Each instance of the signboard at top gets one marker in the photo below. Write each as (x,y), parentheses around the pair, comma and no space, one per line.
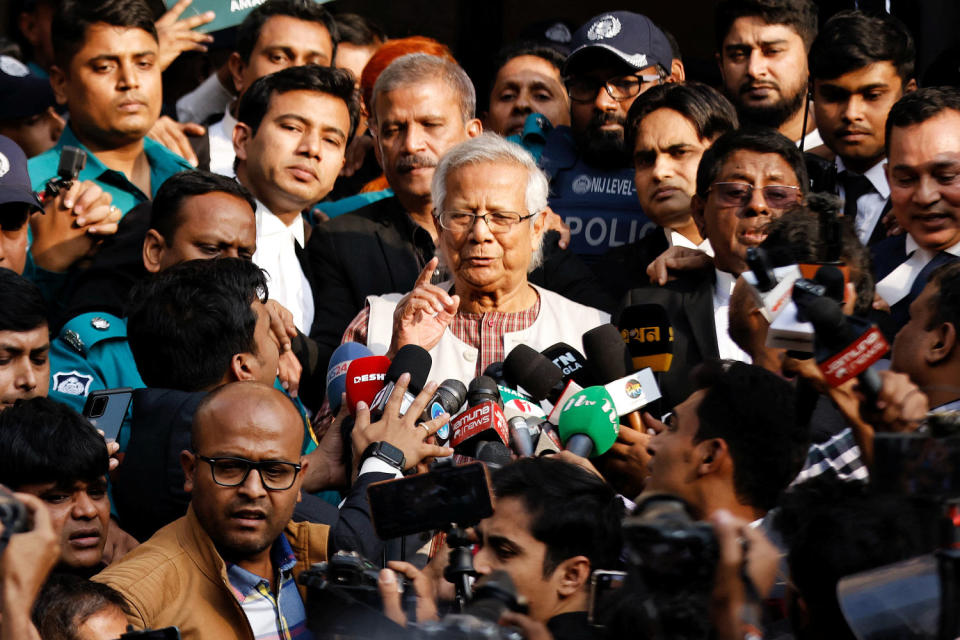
(229,13)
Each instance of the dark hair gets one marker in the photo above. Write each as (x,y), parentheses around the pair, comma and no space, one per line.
(674,44)
(750,138)
(710,112)
(852,40)
(946,303)
(75,17)
(187,322)
(44,441)
(67,601)
(754,412)
(834,529)
(799,15)
(572,511)
(797,236)
(249,30)
(515,50)
(358,30)
(165,210)
(22,307)
(255,101)
(919,106)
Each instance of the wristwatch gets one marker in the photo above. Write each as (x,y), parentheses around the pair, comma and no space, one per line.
(386,452)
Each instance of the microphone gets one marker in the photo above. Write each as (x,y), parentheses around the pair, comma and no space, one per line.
(483,389)
(589,423)
(365,378)
(337,370)
(533,372)
(495,370)
(775,286)
(449,397)
(494,454)
(790,330)
(646,330)
(479,423)
(523,420)
(412,359)
(847,346)
(613,366)
(572,364)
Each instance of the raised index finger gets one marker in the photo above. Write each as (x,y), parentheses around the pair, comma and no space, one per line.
(427,273)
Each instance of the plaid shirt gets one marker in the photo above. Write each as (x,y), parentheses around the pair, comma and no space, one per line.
(272,617)
(839,454)
(482,331)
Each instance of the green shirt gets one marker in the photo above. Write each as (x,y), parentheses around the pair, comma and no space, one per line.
(163,164)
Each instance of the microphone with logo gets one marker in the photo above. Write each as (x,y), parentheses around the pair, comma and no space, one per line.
(448,398)
(482,420)
(611,363)
(572,364)
(525,369)
(646,330)
(365,378)
(337,370)
(412,359)
(589,423)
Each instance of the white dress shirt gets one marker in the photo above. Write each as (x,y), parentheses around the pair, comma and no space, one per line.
(207,100)
(870,205)
(675,239)
(221,145)
(811,141)
(727,348)
(896,286)
(276,255)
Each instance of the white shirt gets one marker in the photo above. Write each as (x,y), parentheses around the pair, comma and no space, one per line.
(675,239)
(221,145)
(275,254)
(870,205)
(811,141)
(896,286)
(206,100)
(727,348)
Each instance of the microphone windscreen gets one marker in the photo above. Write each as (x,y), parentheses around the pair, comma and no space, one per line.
(337,370)
(572,364)
(832,279)
(495,370)
(590,412)
(607,353)
(483,389)
(524,367)
(649,337)
(416,361)
(494,454)
(365,377)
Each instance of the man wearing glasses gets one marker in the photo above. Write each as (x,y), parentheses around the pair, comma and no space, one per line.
(228,568)
(748,177)
(614,58)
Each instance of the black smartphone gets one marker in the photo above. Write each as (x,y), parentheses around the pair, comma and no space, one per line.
(106,409)
(432,500)
(602,582)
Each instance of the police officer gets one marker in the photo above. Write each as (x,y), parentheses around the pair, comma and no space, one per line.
(615,56)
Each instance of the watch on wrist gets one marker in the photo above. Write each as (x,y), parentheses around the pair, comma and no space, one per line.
(386,452)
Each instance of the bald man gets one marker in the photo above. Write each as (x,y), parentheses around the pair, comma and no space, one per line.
(228,568)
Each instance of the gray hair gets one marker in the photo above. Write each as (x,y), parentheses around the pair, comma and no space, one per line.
(492,148)
(415,68)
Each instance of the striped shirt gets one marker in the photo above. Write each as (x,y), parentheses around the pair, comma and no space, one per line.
(279,616)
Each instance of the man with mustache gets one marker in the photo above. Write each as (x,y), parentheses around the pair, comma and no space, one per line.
(749,177)
(614,57)
(860,66)
(762,52)
(107,71)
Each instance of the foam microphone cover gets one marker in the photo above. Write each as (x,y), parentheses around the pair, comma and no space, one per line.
(365,378)
(525,367)
(832,279)
(483,389)
(494,454)
(607,354)
(573,364)
(495,370)
(649,337)
(416,361)
(337,370)
(590,413)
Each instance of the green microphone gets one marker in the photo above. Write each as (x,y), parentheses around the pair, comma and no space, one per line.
(588,422)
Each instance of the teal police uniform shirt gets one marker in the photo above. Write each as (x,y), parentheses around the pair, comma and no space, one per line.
(163,164)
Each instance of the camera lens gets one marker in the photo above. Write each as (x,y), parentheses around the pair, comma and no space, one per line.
(99,406)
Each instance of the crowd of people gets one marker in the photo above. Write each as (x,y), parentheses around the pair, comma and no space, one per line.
(696,347)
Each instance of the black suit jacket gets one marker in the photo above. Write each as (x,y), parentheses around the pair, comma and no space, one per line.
(688,302)
(624,268)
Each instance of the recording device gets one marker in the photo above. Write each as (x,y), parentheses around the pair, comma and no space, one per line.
(612,366)
(492,595)
(480,423)
(572,364)
(412,359)
(167,633)
(14,516)
(493,454)
(433,500)
(483,389)
(589,423)
(495,370)
(790,329)
(337,370)
(533,372)
(646,330)
(448,398)
(106,408)
(72,161)
(775,285)
(364,380)
(523,421)
(602,584)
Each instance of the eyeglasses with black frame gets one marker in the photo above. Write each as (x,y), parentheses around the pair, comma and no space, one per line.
(584,88)
(497,221)
(738,194)
(275,475)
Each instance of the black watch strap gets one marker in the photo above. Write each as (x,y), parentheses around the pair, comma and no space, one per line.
(386,452)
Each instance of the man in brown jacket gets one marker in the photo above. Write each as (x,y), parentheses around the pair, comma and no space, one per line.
(228,568)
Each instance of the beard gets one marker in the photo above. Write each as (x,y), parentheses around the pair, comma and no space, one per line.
(602,148)
(770,115)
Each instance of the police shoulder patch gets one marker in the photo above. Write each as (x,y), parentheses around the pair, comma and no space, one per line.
(72,383)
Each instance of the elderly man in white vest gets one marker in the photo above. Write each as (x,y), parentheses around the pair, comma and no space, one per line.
(489,196)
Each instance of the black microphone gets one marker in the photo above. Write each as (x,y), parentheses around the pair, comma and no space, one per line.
(533,372)
(411,359)
(493,453)
(646,330)
(610,360)
(482,389)
(495,370)
(449,397)
(572,364)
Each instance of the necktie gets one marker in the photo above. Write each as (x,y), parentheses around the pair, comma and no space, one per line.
(854,187)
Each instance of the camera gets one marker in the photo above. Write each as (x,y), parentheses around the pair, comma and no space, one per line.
(492,595)
(13,516)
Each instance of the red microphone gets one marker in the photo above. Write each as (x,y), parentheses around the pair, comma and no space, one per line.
(477,424)
(365,377)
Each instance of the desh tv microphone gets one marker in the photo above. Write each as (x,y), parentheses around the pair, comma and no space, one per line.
(364,379)
(337,370)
